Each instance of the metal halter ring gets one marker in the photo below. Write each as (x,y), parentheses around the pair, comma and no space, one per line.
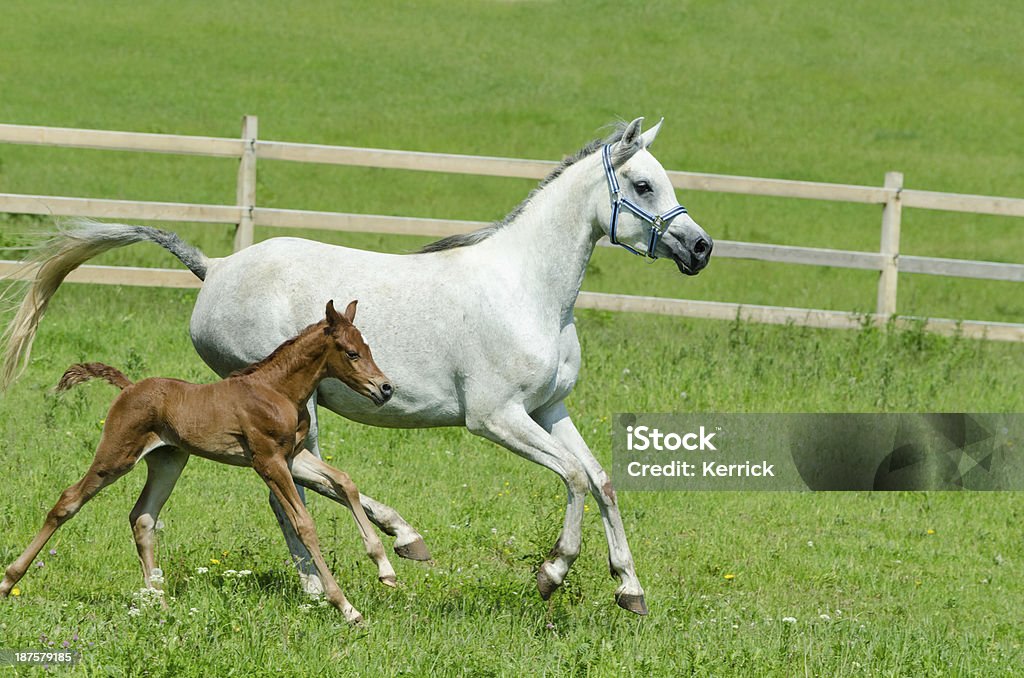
(659,222)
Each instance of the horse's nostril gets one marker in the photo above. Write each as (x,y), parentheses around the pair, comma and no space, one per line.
(386,390)
(701,246)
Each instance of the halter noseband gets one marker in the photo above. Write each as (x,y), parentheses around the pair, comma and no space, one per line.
(659,222)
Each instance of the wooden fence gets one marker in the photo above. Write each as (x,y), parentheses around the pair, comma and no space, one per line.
(245,215)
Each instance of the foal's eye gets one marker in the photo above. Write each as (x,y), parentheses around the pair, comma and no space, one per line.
(353,355)
(642,187)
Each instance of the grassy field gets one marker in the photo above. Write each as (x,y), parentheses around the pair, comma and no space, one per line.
(878,584)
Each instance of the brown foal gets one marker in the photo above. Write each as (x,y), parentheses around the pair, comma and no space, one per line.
(255,417)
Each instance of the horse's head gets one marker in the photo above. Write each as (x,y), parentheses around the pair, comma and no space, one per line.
(349,359)
(643,215)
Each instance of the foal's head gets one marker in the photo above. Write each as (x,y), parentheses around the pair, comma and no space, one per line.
(349,359)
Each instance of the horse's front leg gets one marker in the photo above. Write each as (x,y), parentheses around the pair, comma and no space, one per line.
(630,595)
(513,428)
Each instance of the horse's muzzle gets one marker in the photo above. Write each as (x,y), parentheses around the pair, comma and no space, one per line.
(691,252)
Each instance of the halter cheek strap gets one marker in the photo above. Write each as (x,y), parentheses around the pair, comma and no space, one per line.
(659,222)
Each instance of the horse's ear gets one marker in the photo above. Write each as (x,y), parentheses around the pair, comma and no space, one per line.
(332,315)
(350,310)
(630,143)
(648,136)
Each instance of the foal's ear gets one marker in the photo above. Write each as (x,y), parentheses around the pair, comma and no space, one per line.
(631,142)
(332,315)
(350,310)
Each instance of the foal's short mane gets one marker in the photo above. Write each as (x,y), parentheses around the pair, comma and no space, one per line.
(277,351)
(472,238)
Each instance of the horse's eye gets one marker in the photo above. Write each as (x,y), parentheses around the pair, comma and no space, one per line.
(353,355)
(642,187)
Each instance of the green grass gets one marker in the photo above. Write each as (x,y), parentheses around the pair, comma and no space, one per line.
(826,92)
(898,599)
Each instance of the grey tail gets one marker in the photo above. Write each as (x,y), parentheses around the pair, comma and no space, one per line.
(69,246)
(188,254)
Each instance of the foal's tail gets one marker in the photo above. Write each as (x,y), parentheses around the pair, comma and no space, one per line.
(70,245)
(83,372)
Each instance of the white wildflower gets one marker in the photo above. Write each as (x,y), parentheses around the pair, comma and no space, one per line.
(202,570)
(789,620)
(156,576)
(148,597)
(825,617)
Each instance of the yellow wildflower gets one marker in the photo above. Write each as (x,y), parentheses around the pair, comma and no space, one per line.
(15,591)
(730,577)
(214,561)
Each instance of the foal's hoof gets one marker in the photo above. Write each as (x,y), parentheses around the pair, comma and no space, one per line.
(546,584)
(632,602)
(414,550)
(389,580)
(352,615)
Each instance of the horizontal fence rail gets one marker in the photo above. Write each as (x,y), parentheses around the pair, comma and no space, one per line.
(245,214)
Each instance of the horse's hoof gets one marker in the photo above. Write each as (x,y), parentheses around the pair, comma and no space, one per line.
(389,580)
(311,584)
(414,550)
(545,583)
(632,602)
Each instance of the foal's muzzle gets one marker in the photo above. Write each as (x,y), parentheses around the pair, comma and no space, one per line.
(380,393)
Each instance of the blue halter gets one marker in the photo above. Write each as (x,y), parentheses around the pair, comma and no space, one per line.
(659,222)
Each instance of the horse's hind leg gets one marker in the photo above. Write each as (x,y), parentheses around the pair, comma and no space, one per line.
(309,471)
(164,467)
(98,476)
(274,470)
(408,542)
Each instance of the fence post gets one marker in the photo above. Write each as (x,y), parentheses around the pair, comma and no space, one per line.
(890,248)
(246,194)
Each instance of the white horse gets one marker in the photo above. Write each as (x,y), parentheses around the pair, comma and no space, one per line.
(509,289)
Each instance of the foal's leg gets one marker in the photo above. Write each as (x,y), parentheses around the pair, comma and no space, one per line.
(99,475)
(514,429)
(316,475)
(408,542)
(164,467)
(629,595)
(274,470)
